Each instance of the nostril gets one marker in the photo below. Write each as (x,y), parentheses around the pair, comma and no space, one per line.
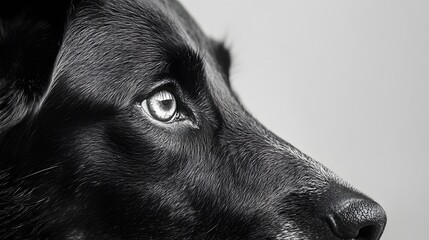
(361,219)
(367,232)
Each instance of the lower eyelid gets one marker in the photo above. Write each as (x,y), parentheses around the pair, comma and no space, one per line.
(185,121)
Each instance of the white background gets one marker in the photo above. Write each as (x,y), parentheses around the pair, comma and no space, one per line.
(347,82)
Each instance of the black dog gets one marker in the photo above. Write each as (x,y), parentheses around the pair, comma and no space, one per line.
(117,121)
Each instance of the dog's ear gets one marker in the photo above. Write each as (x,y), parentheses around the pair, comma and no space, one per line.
(30,37)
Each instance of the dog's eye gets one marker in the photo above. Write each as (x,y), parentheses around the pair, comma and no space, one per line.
(161,106)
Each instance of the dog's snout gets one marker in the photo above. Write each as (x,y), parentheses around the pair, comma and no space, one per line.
(352,215)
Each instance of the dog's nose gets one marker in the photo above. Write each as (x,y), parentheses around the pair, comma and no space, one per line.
(352,215)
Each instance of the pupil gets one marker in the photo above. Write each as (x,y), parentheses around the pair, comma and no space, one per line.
(166,104)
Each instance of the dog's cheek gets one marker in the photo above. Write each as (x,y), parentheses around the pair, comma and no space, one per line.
(124,182)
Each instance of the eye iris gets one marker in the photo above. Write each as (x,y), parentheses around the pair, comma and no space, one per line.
(162,106)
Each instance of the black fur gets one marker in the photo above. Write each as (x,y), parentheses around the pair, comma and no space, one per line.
(80,160)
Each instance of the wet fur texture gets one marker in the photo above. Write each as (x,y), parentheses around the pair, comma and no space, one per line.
(80,160)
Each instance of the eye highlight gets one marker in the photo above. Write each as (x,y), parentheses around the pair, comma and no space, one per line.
(162,106)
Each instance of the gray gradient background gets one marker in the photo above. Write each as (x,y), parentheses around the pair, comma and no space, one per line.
(347,82)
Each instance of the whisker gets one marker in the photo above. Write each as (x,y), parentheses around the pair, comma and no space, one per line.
(38,172)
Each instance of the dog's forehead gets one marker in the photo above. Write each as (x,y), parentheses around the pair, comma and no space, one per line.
(167,18)
(113,46)
(178,14)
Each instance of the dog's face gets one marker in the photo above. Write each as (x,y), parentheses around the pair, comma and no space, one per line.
(134,132)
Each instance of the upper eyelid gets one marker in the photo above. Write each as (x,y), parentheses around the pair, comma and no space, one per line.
(182,100)
(172,86)
(164,84)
